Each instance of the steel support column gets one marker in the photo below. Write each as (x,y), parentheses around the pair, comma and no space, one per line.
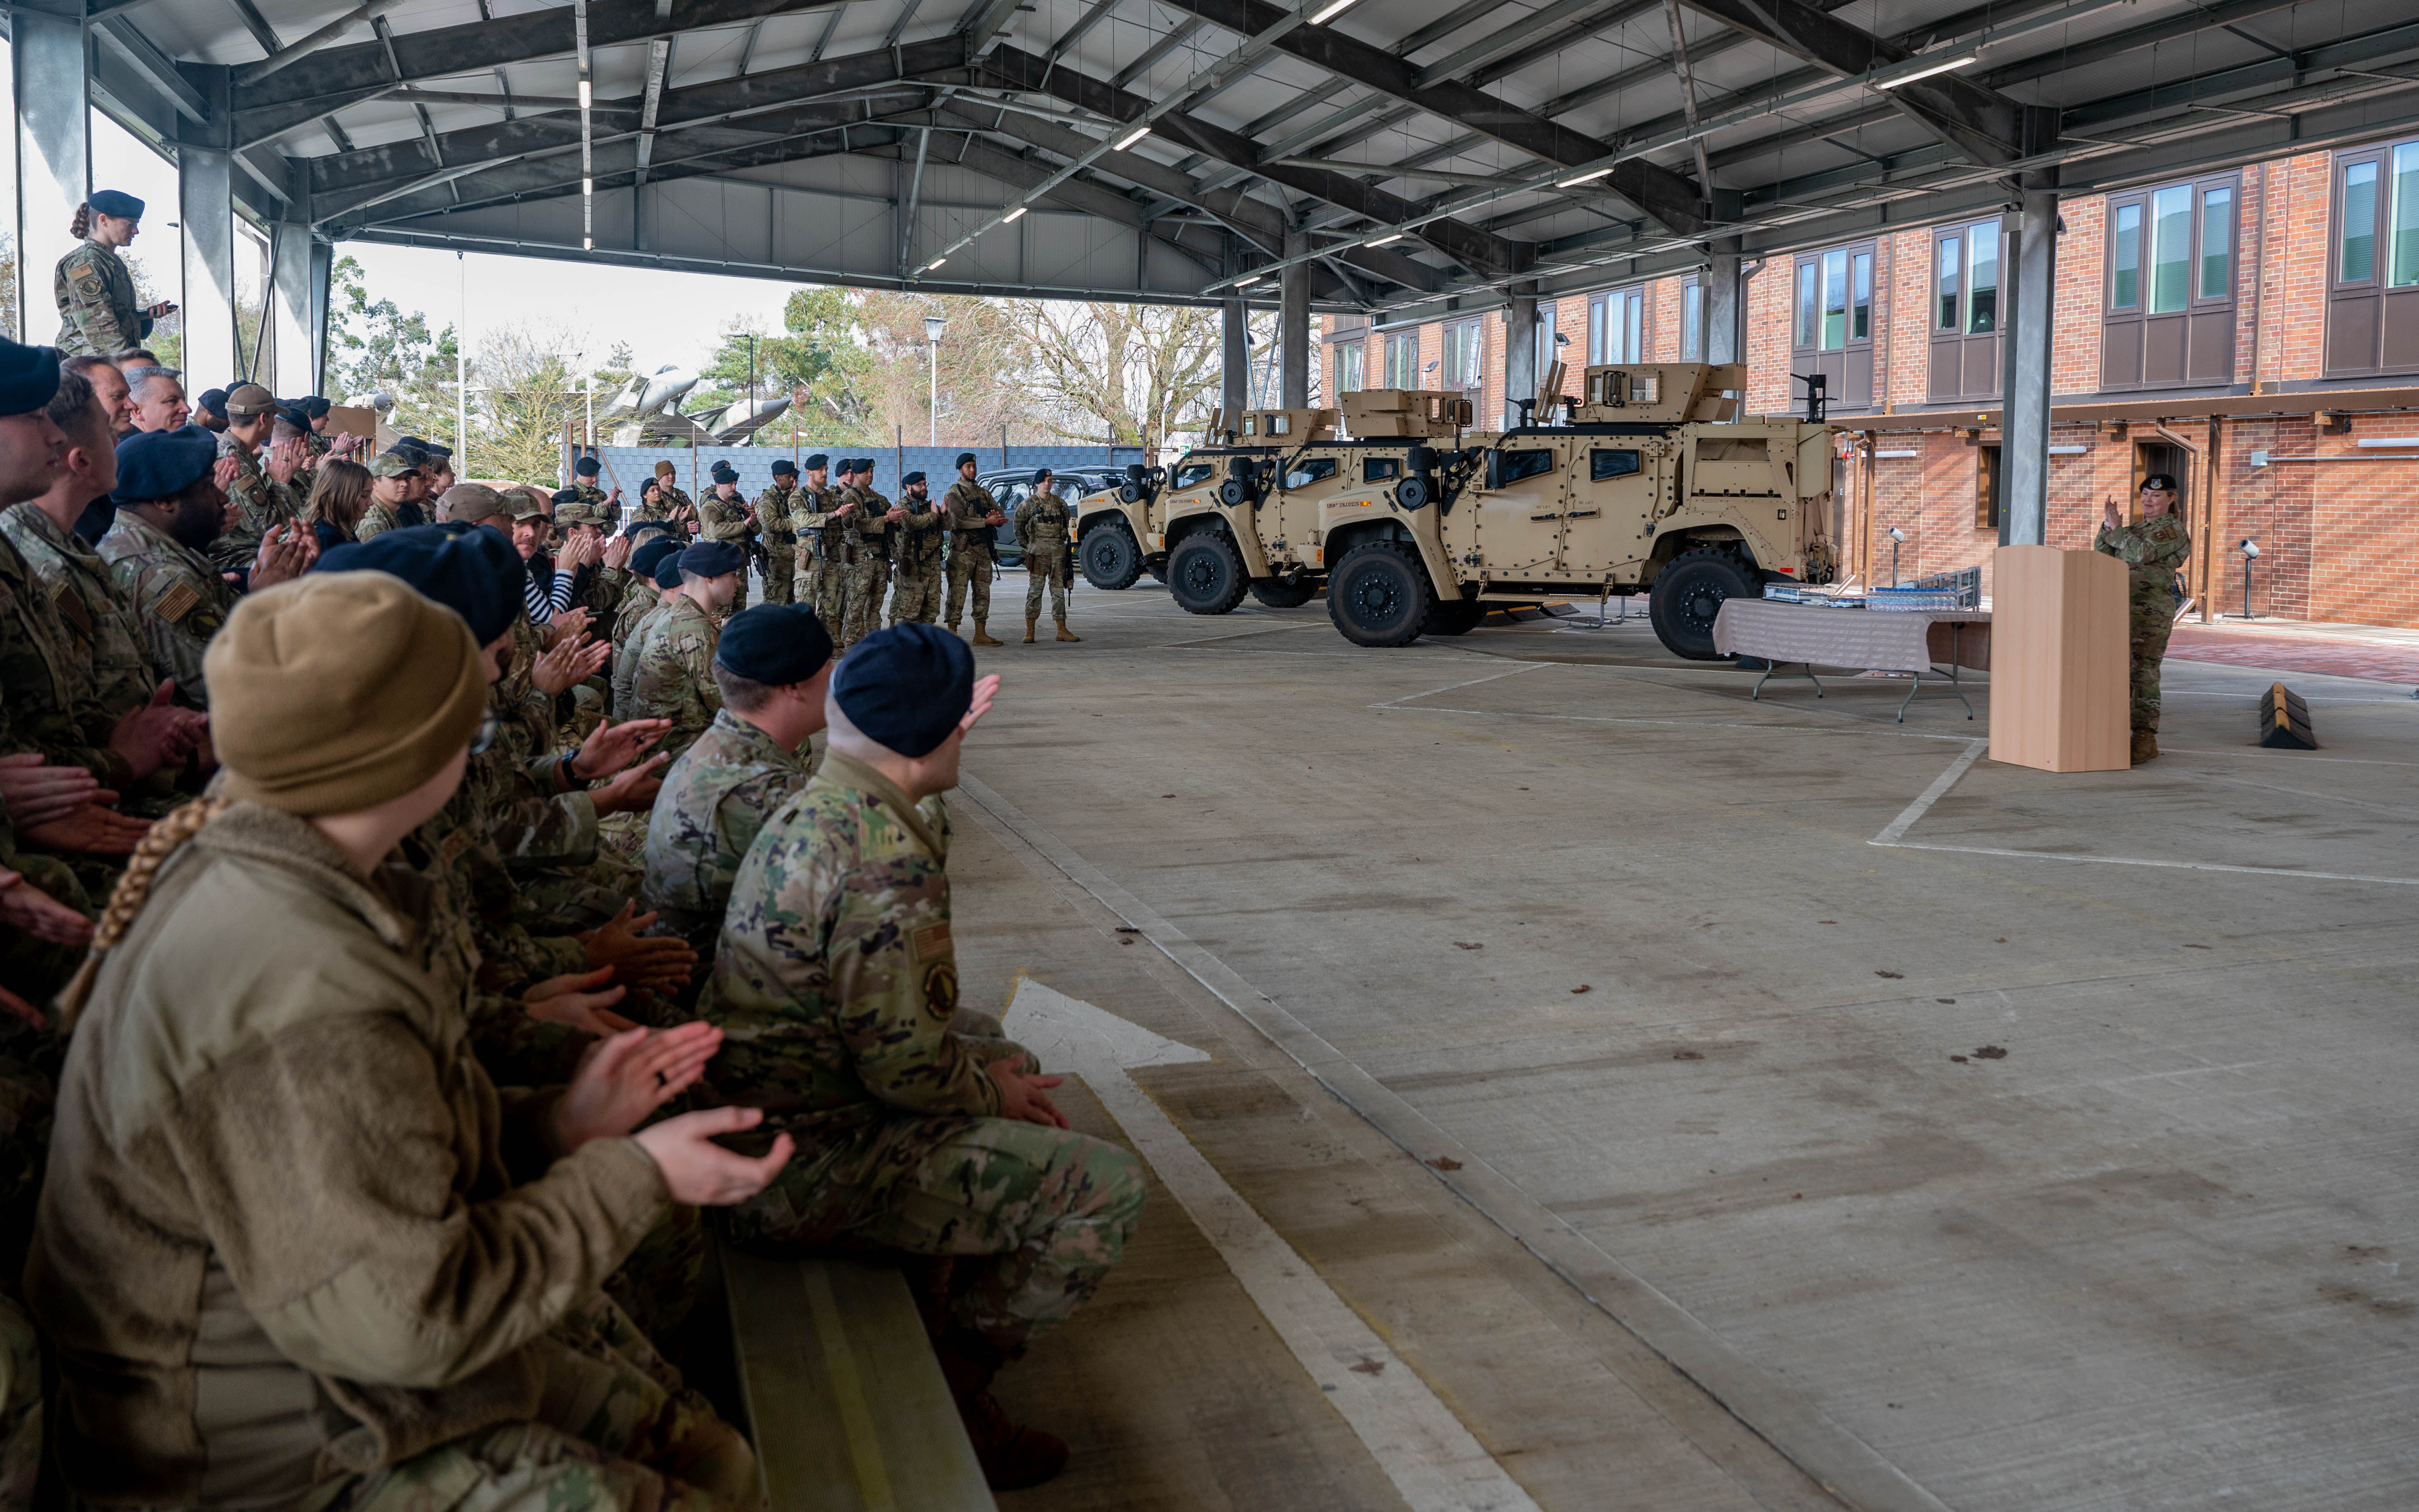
(2032,304)
(1725,304)
(1519,351)
(293,335)
(322,275)
(1234,365)
(1293,325)
(206,209)
(53,151)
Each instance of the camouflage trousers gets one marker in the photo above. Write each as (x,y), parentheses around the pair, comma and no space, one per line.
(2151,624)
(916,597)
(615,1431)
(658,1286)
(831,593)
(863,586)
(1048,1209)
(1043,560)
(20,1407)
(969,564)
(780,576)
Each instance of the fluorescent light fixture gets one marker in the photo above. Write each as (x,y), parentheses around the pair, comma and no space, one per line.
(1134,136)
(934,263)
(588,186)
(1897,453)
(588,243)
(1955,60)
(583,94)
(1380,241)
(1583,178)
(1329,11)
(1247,283)
(2387,441)
(1014,214)
(2068,451)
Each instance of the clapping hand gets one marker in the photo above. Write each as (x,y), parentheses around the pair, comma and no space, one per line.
(656,962)
(578,999)
(285,553)
(36,794)
(621,1080)
(29,908)
(610,747)
(986,688)
(571,660)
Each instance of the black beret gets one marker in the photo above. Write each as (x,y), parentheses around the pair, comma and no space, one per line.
(964,457)
(640,526)
(906,687)
(115,202)
(2161,481)
(650,482)
(775,644)
(316,406)
(645,560)
(29,376)
(667,568)
(564,496)
(475,573)
(818,460)
(161,464)
(784,467)
(587,466)
(911,477)
(712,559)
(723,473)
(213,400)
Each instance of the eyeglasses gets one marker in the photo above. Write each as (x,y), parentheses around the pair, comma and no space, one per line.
(490,728)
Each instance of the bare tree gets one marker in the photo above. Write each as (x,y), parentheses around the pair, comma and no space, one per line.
(1128,375)
(526,379)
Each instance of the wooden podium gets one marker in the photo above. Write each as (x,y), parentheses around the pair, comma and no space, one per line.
(2059,694)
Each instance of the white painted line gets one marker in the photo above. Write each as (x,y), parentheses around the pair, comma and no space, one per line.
(1939,789)
(2136,860)
(1853,727)
(1524,666)
(1849,1467)
(1431,1456)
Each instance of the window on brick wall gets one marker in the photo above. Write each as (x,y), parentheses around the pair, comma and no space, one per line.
(1966,264)
(1692,319)
(2168,319)
(2373,274)
(1402,359)
(1833,331)
(1465,358)
(1617,327)
(1347,366)
(1986,489)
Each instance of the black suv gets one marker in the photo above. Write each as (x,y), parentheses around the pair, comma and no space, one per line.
(1011,486)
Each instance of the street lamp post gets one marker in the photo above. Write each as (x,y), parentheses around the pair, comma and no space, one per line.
(933,324)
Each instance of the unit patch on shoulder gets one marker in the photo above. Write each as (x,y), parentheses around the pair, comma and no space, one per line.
(176,602)
(941,991)
(69,606)
(930,941)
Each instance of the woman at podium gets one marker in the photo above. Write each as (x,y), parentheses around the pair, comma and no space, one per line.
(2154,549)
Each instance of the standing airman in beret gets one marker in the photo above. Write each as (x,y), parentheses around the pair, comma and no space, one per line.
(780,533)
(98,315)
(917,597)
(872,538)
(971,514)
(817,509)
(584,473)
(724,514)
(670,503)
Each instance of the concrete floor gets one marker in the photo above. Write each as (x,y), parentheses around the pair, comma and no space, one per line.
(1695,1149)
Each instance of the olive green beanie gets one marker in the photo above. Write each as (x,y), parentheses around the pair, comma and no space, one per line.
(338,691)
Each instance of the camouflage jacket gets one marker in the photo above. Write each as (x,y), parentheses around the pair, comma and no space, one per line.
(601,591)
(2153,550)
(601,502)
(715,799)
(97,311)
(835,980)
(919,538)
(816,522)
(670,503)
(633,624)
(262,503)
(96,613)
(725,520)
(964,508)
(772,515)
(180,599)
(378,518)
(51,706)
(1043,519)
(674,676)
(867,536)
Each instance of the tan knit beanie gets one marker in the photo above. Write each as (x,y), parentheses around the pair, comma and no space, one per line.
(340,690)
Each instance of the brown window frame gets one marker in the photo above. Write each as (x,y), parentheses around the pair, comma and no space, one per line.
(1971,351)
(1849,366)
(1988,485)
(2191,345)
(2372,324)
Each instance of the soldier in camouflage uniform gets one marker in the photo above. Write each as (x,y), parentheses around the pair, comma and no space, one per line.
(725,516)
(669,504)
(838,985)
(780,533)
(970,514)
(814,508)
(607,506)
(262,492)
(397,488)
(673,674)
(98,315)
(30,1053)
(658,564)
(773,668)
(2153,548)
(869,540)
(916,597)
(1043,525)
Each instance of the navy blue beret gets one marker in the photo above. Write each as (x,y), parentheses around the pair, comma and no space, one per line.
(645,560)
(964,457)
(587,466)
(723,473)
(906,687)
(115,202)
(315,406)
(818,460)
(911,477)
(784,467)
(213,400)
(161,464)
(667,568)
(775,644)
(29,376)
(564,496)
(475,573)
(640,526)
(712,559)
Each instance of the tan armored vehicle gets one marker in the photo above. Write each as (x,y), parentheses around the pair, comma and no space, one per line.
(1652,482)
(1120,531)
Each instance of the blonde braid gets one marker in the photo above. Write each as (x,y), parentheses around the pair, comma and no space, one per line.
(133,890)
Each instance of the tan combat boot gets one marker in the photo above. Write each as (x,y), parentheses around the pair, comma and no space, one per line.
(984,637)
(2146,746)
(1065,634)
(1029,623)
(953,627)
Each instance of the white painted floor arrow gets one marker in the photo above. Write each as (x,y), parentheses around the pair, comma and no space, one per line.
(1431,1456)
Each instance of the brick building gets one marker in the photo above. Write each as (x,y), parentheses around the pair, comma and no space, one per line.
(2256,332)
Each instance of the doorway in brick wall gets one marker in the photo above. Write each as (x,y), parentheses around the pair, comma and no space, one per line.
(2161,456)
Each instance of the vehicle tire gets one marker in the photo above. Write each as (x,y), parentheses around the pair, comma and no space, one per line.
(1278,593)
(1689,594)
(1205,576)
(1379,594)
(1453,616)
(1109,557)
